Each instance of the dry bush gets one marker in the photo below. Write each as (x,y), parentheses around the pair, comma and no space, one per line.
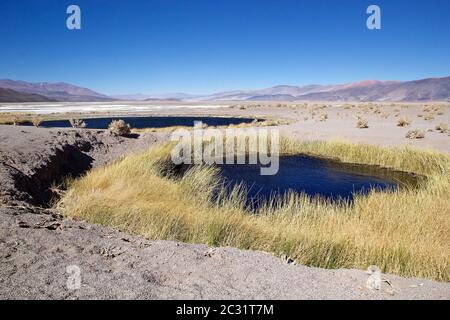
(77,123)
(119,128)
(403,122)
(323,117)
(442,127)
(362,123)
(36,121)
(377,110)
(415,134)
(429,117)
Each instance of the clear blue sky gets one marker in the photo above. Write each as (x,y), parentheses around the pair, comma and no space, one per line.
(202,46)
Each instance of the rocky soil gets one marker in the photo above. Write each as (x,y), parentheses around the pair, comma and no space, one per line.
(40,249)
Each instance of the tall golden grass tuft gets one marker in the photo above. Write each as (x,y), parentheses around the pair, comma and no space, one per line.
(405,231)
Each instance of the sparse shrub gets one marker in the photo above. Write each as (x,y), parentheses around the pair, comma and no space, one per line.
(119,128)
(429,117)
(403,122)
(362,123)
(377,110)
(77,123)
(36,121)
(415,134)
(442,127)
(323,117)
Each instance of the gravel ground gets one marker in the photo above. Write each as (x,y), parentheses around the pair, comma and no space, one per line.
(37,244)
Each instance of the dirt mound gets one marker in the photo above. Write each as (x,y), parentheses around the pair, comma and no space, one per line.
(32,160)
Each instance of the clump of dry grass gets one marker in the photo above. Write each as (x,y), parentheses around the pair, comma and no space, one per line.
(362,123)
(415,134)
(403,122)
(405,231)
(427,108)
(429,117)
(14,118)
(266,123)
(77,123)
(119,128)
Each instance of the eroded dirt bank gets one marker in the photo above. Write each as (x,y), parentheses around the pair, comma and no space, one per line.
(37,244)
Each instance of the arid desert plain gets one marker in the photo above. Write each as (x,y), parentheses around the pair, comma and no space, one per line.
(43,232)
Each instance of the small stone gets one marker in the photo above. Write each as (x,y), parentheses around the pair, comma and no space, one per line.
(209,253)
(23,224)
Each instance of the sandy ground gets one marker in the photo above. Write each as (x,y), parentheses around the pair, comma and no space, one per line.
(341,122)
(37,244)
(305,121)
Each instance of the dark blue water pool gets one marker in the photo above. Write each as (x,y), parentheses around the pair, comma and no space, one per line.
(315,177)
(148,122)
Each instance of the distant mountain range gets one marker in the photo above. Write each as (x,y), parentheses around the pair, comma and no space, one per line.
(46,91)
(9,95)
(432,89)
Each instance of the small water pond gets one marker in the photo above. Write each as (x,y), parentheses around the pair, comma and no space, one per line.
(149,122)
(314,176)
